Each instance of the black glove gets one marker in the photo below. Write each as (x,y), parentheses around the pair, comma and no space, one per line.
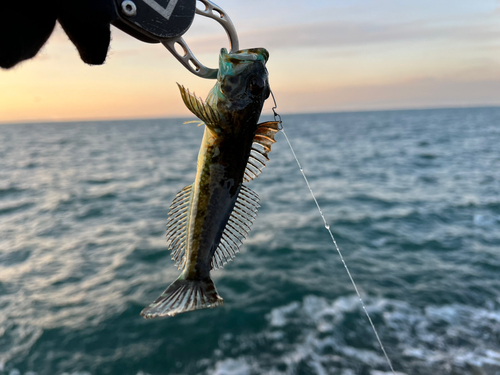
(26,25)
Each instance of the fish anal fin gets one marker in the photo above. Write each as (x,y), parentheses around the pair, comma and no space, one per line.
(177,225)
(182,296)
(237,227)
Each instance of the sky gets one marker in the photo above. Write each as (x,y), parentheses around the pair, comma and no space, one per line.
(325,56)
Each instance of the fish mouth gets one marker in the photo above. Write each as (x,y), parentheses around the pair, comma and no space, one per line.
(244,55)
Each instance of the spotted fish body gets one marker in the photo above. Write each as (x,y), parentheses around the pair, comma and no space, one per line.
(209,219)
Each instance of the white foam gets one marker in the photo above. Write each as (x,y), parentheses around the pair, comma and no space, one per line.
(493,354)
(380,242)
(231,366)
(278,316)
(486,220)
(333,337)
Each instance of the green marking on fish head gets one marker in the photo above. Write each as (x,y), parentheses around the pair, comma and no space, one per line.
(243,73)
(242,83)
(232,64)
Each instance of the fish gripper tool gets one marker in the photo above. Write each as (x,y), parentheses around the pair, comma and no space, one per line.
(165,21)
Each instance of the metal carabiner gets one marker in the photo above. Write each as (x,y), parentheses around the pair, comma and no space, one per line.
(188,59)
(151,22)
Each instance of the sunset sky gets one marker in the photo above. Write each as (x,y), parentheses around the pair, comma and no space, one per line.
(325,55)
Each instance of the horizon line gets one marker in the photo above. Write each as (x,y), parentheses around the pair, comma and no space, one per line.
(114,119)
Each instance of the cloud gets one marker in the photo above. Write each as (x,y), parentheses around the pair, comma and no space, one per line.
(347,34)
(417,93)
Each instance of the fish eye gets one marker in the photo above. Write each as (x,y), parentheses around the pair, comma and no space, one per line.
(256,84)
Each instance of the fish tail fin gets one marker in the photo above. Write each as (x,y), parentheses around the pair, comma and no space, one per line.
(182,296)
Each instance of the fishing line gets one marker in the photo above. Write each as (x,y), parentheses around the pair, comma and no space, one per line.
(327,226)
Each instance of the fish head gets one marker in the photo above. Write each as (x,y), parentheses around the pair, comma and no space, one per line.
(242,84)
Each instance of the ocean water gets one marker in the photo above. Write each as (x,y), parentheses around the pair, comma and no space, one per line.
(412,197)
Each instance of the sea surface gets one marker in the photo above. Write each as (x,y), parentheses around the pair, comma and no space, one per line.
(412,198)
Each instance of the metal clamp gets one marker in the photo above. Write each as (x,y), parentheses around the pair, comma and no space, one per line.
(151,22)
(187,58)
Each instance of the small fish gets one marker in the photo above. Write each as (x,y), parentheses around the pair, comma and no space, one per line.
(209,219)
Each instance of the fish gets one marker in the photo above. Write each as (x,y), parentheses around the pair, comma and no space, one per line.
(209,219)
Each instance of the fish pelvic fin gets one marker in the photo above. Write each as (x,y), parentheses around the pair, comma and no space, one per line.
(177,225)
(237,227)
(261,147)
(182,296)
(200,109)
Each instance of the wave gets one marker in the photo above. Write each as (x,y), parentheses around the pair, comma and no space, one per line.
(334,337)
(20,206)
(9,191)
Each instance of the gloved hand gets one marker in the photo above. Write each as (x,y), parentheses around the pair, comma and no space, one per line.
(26,25)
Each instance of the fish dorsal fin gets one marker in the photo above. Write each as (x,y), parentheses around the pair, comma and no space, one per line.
(261,146)
(177,225)
(237,227)
(199,108)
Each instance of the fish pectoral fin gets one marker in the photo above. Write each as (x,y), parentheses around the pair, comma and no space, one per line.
(177,225)
(200,109)
(261,146)
(237,227)
(182,296)
(265,134)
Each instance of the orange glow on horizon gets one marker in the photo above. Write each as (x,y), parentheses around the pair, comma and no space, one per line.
(336,64)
